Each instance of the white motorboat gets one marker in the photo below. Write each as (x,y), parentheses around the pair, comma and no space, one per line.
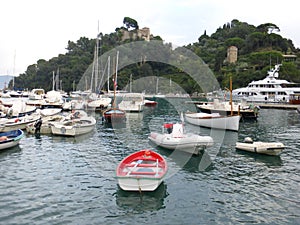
(100,103)
(17,123)
(132,102)
(178,139)
(268,148)
(37,94)
(79,124)
(269,89)
(214,120)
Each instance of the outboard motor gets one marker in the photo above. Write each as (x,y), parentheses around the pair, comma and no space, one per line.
(38,125)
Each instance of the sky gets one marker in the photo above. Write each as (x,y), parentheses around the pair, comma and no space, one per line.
(40,29)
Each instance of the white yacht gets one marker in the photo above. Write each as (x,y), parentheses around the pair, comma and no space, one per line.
(269,89)
(132,102)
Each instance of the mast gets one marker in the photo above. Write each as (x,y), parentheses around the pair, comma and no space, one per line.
(53,80)
(230,89)
(130,84)
(108,73)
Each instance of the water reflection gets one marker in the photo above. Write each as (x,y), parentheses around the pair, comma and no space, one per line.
(145,201)
(268,160)
(9,151)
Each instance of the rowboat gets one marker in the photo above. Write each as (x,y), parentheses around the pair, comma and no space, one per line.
(178,139)
(141,171)
(10,138)
(214,120)
(268,148)
(79,124)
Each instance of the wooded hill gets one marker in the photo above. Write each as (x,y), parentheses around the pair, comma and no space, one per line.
(258,48)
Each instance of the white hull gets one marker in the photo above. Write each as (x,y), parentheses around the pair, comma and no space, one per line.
(139,184)
(211,121)
(9,144)
(190,143)
(50,111)
(268,148)
(100,103)
(132,102)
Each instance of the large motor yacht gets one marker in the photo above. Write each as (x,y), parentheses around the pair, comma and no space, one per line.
(270,89)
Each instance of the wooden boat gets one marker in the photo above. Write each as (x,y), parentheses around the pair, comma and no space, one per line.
(114,114)
(141,171)
(178,139)
(10,138)
(78,124)
(268,148)
(150,103)
(214,120)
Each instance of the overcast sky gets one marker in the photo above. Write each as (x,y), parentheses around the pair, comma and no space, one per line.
(40,29)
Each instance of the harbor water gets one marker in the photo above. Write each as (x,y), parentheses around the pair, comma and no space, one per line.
(61,180)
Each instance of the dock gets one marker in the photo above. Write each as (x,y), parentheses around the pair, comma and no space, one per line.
(277,106)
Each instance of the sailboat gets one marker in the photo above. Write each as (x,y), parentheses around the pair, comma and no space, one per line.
(114,114)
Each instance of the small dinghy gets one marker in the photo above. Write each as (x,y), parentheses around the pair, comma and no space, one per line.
(176,138)
(268,148)
(141,171)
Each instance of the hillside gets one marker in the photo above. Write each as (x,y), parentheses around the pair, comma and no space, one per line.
(257,48)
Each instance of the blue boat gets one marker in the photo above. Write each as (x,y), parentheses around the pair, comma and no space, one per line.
(10,139)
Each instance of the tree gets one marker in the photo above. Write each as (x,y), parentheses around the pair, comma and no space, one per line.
(130,23)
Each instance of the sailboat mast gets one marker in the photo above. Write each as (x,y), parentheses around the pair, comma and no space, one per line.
(53,80)
(108,73)
(230,89)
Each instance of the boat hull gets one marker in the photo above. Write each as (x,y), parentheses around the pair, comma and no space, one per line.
(188,143)
(221,122)
(267,148)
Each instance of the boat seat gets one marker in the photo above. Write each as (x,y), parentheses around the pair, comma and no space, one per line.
(141,165)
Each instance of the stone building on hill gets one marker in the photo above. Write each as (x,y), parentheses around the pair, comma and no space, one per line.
(232,54)
(143,33)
